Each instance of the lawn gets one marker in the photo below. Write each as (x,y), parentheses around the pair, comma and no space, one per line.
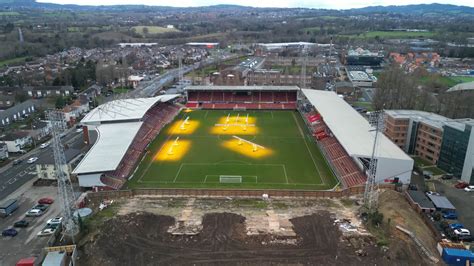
(285,156)
(153,30)
(17,60)
(462,79)
(435,170)
(367,105)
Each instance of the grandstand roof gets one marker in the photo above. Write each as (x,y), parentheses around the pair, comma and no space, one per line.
(112,142)
(350,128)
(124,109)
(468,86)
(243,88)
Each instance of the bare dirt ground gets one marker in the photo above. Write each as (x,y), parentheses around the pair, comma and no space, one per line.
(160,231)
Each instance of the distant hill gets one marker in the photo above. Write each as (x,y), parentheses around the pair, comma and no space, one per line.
(413,9)
(407,9)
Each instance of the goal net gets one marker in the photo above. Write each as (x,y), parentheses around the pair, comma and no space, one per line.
(240,108)
(230,179)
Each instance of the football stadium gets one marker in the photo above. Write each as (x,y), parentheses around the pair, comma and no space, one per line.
(246,137)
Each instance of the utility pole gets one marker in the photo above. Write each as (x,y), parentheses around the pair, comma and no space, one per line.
(65,190)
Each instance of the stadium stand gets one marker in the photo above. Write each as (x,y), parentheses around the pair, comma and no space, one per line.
(342,164)
(249,97)
(154,120)
(124,128)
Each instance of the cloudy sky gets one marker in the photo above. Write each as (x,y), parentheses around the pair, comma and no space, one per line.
(332,4)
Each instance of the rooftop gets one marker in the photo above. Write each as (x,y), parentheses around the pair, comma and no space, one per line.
(431,119)
(242,88)
(112,143)
(468,86)
(441,202)
(350,128)
(124,109)
(359,76)
(420,198)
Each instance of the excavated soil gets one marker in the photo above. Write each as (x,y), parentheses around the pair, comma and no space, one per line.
(142,239)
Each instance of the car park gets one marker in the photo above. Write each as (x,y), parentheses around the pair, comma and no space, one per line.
(32,160)
(46,201)
(21,223)
(10,232)
(34,213)
(469,188)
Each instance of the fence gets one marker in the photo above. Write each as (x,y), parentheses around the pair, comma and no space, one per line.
(222,193)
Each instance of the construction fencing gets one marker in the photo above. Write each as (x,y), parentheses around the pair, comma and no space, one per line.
(222,193)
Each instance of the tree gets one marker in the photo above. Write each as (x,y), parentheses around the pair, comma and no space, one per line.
(395,90)
(60,102)
(145,31)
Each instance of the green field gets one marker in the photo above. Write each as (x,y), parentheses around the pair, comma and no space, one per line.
(153,29)
(13,61)
(287,159)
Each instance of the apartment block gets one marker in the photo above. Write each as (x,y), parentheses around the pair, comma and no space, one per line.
(447,143)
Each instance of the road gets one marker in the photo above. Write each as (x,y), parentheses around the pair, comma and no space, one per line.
(14,176)
(151,87)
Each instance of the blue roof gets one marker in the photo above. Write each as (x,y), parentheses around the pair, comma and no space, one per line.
(459,252)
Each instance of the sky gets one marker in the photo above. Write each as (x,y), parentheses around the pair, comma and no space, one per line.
(330,4)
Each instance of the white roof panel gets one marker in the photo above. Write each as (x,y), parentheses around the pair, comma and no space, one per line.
(350,128)
(124,109)
(112,143)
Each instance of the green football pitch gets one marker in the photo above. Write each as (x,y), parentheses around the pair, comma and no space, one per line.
(234,149)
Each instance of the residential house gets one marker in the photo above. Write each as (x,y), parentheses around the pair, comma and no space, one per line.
(39,130)
(17,112)
(3,151)
(45,167)
(16,141)
(48,91)
(76,109)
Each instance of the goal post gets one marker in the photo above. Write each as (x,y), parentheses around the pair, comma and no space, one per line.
(230,179)
(240,108)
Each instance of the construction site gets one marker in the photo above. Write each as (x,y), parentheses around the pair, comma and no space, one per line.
(146,230)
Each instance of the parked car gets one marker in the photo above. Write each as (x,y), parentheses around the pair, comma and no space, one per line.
(432,193)
(461,185)
(17,161)
(34,213)
(469,188)
(46,201)
(21,223)
(462,231)
(456,226)
(56,220)
(44,145)
(465,238)
(10,232)
(22,151)
(447,176)
(32,160)
(450,215)
(46,232)
(42,207)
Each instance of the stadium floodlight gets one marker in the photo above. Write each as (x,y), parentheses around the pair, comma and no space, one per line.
(170,151)
(175,143)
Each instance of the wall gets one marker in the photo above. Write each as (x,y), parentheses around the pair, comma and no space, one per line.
(238,193)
